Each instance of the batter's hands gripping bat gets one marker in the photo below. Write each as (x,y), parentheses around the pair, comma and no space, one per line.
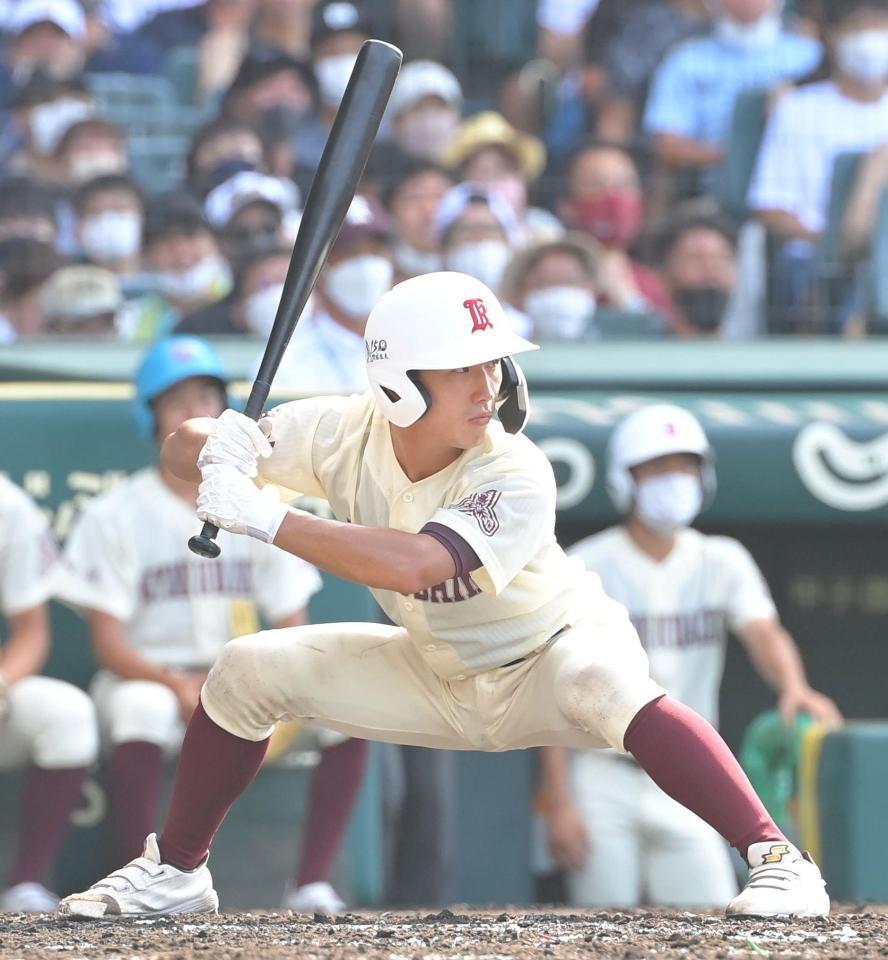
(332,190)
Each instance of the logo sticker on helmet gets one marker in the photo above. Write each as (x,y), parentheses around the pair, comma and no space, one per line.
(481,507)
(376,349)
(478,312)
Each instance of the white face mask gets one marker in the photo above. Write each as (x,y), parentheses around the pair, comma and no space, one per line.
(51,121)
(485,261)
(208,279)
(261,308)
(668,502)
(356,284)
(863,56)
(414,262)
(749,36)
(88,166)
(560,312)
(427,133)
(333,75)
(112,235)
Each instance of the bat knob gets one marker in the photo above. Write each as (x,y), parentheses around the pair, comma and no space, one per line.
(204,546)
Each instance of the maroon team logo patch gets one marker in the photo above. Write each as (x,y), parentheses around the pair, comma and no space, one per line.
(481,507)
(478,312)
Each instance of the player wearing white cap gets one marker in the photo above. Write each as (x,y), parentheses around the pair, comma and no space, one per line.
(46,725)
(502,641)
(622,839)
(159,617)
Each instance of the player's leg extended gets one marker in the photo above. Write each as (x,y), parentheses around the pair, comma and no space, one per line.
(52,725)
(365,680)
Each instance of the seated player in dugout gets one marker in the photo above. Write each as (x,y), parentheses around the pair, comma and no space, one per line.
(47,726)
(159,616)
(622,840)
(501,641)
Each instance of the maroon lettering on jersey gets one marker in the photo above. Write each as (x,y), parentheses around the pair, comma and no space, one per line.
(482,506)
(478,312)
(454,590)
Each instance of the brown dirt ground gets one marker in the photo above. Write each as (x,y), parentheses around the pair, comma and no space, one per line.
(858,931)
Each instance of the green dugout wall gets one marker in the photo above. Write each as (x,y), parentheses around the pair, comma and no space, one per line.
(800,430)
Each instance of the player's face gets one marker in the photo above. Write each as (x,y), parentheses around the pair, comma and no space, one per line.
(463,402)
(671,463)
(194,397)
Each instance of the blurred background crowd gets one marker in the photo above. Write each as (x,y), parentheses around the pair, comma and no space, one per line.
(659,168)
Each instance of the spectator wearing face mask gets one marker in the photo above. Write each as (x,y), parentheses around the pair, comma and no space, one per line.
(110,213)
(220,149)
(48,35)
(412,194)
(43,109)
(88,149)
(278,96)
(699,271)
(487,150)
(692,98)
(808,129)
(555,284)
(25,265)
(338,31)
(253,210)
(27,211)
(81,301)
(602,197)
(326,352)
(424,110)
(184,263)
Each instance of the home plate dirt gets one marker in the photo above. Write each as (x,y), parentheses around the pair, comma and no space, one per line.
(855,931)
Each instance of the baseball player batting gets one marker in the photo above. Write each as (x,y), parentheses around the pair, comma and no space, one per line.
(623,840)
(501,641)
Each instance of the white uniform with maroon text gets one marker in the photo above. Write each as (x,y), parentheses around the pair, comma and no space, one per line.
(446,675)
(645,847)
(48,722)
(128,557)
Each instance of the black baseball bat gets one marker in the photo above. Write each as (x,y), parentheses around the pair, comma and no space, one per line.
(332,190)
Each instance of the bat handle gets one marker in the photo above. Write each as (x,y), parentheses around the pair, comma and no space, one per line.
(204,544)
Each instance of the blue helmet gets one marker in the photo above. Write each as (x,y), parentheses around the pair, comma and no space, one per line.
(168,362)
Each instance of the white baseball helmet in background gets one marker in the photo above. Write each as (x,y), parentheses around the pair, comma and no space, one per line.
(649,432)
(440,321)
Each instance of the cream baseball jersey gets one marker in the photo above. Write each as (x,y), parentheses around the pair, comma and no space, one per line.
(127,556)
(28,555)
(682,607)
(498,497)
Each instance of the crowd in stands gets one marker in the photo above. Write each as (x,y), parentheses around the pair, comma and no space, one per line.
(660,168)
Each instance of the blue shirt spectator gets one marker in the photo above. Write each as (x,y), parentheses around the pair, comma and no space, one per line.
(692,96)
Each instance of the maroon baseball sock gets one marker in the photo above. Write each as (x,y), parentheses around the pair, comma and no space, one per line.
(687,759)
(134,779)
(214,770)
(48,800)
(334,789)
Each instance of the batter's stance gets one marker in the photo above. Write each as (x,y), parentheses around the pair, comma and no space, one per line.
(503,641)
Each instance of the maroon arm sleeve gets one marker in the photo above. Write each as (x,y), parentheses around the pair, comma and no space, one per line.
(464,557)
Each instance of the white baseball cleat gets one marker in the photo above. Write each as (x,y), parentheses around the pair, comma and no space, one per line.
(28,898)
(317,897)
(145,887)
(783,882)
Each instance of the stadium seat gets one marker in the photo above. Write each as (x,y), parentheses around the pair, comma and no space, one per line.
(180,70)
(611,324)
(120,96)
(735,174)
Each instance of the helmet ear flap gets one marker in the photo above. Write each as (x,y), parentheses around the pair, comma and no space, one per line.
(514,403)
(413,376)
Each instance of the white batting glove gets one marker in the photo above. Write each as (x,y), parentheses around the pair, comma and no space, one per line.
(230,500)
(237,441)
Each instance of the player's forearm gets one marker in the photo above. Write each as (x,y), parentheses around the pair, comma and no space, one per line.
(374,556)
(774,655)
(555,777)
(180,450)
(27,648)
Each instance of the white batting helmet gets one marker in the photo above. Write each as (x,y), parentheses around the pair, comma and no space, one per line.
(650,432)
(440,321)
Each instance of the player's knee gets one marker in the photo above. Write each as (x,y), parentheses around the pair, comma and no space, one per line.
(68,735)
(141,710)
(588,693)
(242,689)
